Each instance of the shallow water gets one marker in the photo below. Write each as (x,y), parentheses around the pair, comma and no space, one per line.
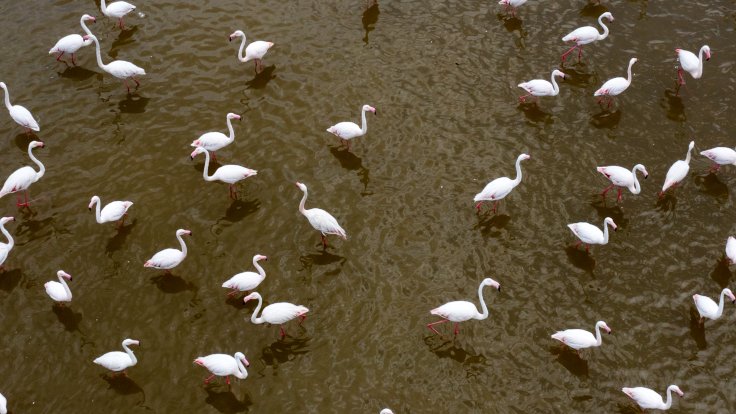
(443,77)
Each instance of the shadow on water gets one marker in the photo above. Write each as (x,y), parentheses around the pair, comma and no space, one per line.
(76,73)
(593,9)
(672,103)
(535,114)
(225,401)
(261,79)
(22,140)
(67,317)
(116,241)
(172,283)
(320,259)
(240,209)
(629,408)
(713,186)
(133,104)
(578,78)
(607,208)
(570,359)
(352,162)
(490,224)
(236,301)
(580,258)
(122,384)
(449,348)
(32,227)
(285,350)
(606,119)
(721,273)
(9,279)
(370,18)
(124,38)
(510,23)
(697,330)
(667,202)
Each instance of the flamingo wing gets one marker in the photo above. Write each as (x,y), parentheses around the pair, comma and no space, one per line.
(123,69)
(282,312)
(165,259)
(324,222)
(706,306)
(675,174)
(538,87)
(720,155)
(587,233)
(23,116)
(257,50)
(645,397)
(689,62)
(212,141)
(345,130)
(576,338)
(119,9)
(218,364)
(612,87)
(496,189)
(244,281)
(231,174)
(56,291)
(68,44)
(19,180)
(730,249)
(582,35)
(114,361)
(114,210)
(456,311)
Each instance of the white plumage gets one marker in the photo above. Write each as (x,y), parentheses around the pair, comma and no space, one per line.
(461,311)
(224,365)
(730,249)
(690,63)
(230,173)
(247,280)
(169,258)
(678,170)
(621,177)
(215,141)
(587,34)
(590,234)
(255,50)
(578,339)
(59,291)
(121,69)
(73,42)
(22,178)
(616,86)
(720,156)
(540,87)
(511,4)
(113,211)
(500,187)
(116,10)
(5,248)
(119,361)
(276,313)
(649,399)
(20,114)
(707,308)
(3,405)
(349,130)
(321,220)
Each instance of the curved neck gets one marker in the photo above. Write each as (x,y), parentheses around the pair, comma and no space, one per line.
(241,57)
(259,268)
(125,347)
(700,59)
(241,368)
(7,99)
(668,403)
(637,186)
(41,168)
(97,51)
(605,29)
(103,7)
(720,305)
(206,166)
(554,87)
(363,124)
(11,242)
(301,203)
(482,303)
(605,232)
(66,287)
(517,180)
(687,157)
(598,339)
(182,244)
(254,318)
(628,79)
(86,30)
(230,128)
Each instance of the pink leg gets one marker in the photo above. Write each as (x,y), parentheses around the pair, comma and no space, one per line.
(680,78)
(58,58)
(283,334)
(233,292)
(208,379)
(122,25)
(302,318)
(324,241)
(495,207)
(620,196)
(477,206)
(564,55)
(580,53)
(578,244)
(457,328)
(227,379)
(137,84)
(18,203)
(431,326)
(523,98)
(74,62)
(607,189)
(125,83)
(587,248)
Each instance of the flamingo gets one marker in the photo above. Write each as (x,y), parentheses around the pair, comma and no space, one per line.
(500,187)
(587,34)
(614,86)
(215,141)
(707,308)
(120,69)
(511,5)
(691,63)
(621,177)
(3,405)
(649,399)
(255,50)
(5,248)
(386,410)
(119,361)
(677,171)
(720,156)
(59,291)
(224,365)
(578,339)
(349,130)
(20,114)
(22,178)
(590,234)
(276,313)
(230,173)
(730,250)
(321,220)
(247,280)
(461,311)
(73,42)
(168,259)
(113,211)
(117,10)
(540,87)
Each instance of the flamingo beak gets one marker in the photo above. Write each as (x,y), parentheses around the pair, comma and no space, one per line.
(646,176)
(245,361)
(229,38)
(707,56)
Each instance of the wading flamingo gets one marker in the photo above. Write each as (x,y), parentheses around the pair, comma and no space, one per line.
(649,399)
(691,63)
(276,313)
(730,250)
(349,130)
(230,173)
(511,5)
(224,365)
(615,86)
(677,171)
(59,291)
(117,10)
(73,42)
(540,87)
(247,280)
(461,311)
(590,234)
(720,156)
(168,259)
(500,187)
(113,211)
(20,114)
(578,339)
(621,177)
(321,220)
(587,34)
(215,141)
(22,178)
(3,405)
(120,69)
(255,50)
(117,361)
(386,411)
(5,248)
(707,308)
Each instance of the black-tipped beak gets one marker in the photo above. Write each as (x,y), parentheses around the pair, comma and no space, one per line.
(499,288)
(229,39)
(646,176)
(191,158)
(90,208)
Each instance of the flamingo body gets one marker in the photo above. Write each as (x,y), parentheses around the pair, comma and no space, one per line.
(169,258)
(20,114)
(247,280)
(590,234)
(119,361)
(3,405)
(214,141)
(579,338)
(730,249)
(541,87)
(693,64)
(5,248)
(707,308)
(59,291)
(649,399)
(113,211)
(720,155)
(678,171)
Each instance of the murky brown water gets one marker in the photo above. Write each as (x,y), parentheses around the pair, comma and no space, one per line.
(443,77)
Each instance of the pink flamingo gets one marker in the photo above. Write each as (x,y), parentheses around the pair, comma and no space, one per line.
(73,42)
(5,248)
(587,34)
(615,86)
(707,307)
(245,281)
(321,220)
(578,339)
(117,10)
(349,130)
(113,211)
(255,50)
(22,178)
(678,171)
(117,361)
(590,234)
(230,174)
(168,259)
(500,187)
(621,177)
(215,141)
(649,399)
(720,156)
(540,87)
(461,311)
(511,5)
(730,250)
(276,313)
(691,63)
(224,365)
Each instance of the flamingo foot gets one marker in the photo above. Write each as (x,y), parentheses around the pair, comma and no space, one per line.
(283,334)
(457,328)
(477,206)
(324,241)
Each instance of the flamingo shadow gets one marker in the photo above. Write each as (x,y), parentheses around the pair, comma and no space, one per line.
(240,209)
(448,348)
(593,10)
(580,258)
(606,119)
(616,212)
(67,317)
(666,202)
(697,330)
(236,301)
(370,18)
(534,114)
(721,273)
(124,38)
(133,104)
(9,279)
(172,284)
(261,79)
(570,359)
(285,350)
(510,23)
(116,241)
(630,408)
(22,140)
(347,159)
(320,259)
(491,225)
(674,106)
(226,402)
(577,78)
(713,186)
(122,384)
(76,73)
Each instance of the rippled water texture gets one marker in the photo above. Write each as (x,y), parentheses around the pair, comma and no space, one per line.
(443,77)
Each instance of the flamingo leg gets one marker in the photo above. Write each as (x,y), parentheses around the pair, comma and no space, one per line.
(564,55)
(125,83)
(457,328)
(283,334)
(578,244)
(58,58)
(587,248)
(122,25)
(227,379)
(580,53)
(324,241)
(208,379)
(523,98)
(302,318)
(680,78)
(233,292)
(620,196)
(607,189)
(495,207)
(347,144)
(431,326)
(25,198)
(18,203)
(477,206)
(137,84)
(74,62)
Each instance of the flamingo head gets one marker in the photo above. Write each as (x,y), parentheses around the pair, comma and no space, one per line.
(131,342)
(35,144)
(87,17)
(728,293)
(92,202)
(253,295)
(2,85)
(677,389)
(706,49)
(182,232)
(370,109)
(640,168)
(64,274)
(604,326)
(301,186)
(241,357)
(233,116)
(523,157)
(260,257)
(611,223)
(235,34)
(196,152)
(559,73)
(490,282)
(6,219)
(608,16)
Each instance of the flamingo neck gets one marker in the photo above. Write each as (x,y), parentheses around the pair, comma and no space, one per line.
(687,157)
(242,372)
(605,29)
(720,305)
(231,138)
(97,210)
(259,268)
(103,7)
(301,203)
(555,87)
(254,318)
(206,167)
(598,339)
(97,51)
(66,287)
(241,57)
(182,244)
(628,79)
(7,98)
(637,186)
(130,353)
(41,168)
(700,60)
(11,242)
(86,30)
(668,403)
(517,180)
(483,306)
(364,123)
(605,237)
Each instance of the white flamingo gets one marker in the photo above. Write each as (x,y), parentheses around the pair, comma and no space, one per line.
(3,405)
(691,63)
(59,291)
(677,171)
(720,156)
(117,10)
(730,250)
(168,259)
(500,187)
(247,280)
(587,34)
(590,234)
(120,69)
(540,87)
(461,311)
(5,248)
(615,86)
(621,177)
(224,365)
(119,361)
(349,130)
(578,339)
(386,410)
(20,114)
(511,5)
(73,42)
(113,211)
(321,220)
(215,141)
(22,178)
(707,308)
(649,399)
(276,313)
(255,50)
(230,173)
